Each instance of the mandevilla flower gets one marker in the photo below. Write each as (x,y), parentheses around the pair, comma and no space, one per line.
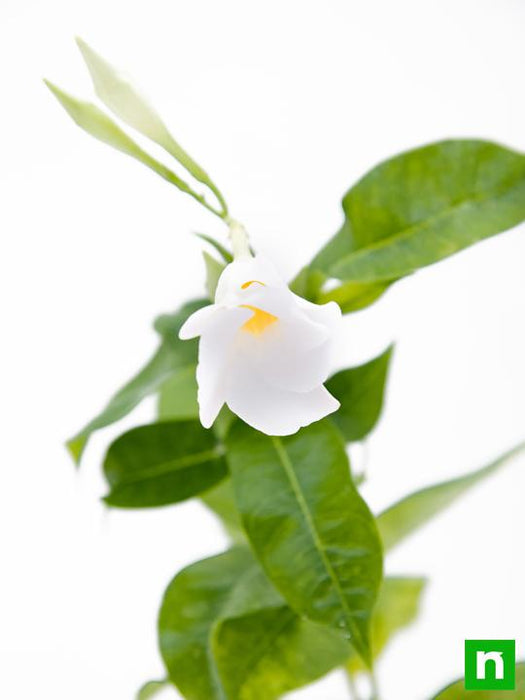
(263,351)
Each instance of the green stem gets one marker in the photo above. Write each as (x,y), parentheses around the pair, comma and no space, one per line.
(182,185)
(224,207)
(351,685)
(187,162)
(374,687)
(202,200)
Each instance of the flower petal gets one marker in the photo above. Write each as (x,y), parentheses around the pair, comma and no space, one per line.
(283,356)
(197,323)
(281,303)
(272,410)
(289,367)
(296,352)
(216,347)
(329,315)
(241,271)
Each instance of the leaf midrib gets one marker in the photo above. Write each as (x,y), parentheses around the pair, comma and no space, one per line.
(173,465)
(303,505)
(406,233)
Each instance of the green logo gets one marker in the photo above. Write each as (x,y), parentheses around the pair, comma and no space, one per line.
(490,664)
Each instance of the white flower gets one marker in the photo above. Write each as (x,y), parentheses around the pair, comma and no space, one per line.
(263,351)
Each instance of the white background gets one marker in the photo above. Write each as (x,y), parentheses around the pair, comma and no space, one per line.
(286,103)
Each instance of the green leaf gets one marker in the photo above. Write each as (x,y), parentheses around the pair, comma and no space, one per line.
(350,296)
(224,422)
(177,397)
(261,656)
(193,602)
(456,691)
(263,649)
(353,296)
(226,256)
(360,391)
(220,500)
(178,400)
(162,463)
(214,270)
(308,283)
(151,688)
(397,607)
(117,93)
(407,515)
(226,634)
(308,525)
(423,206)
(172,356)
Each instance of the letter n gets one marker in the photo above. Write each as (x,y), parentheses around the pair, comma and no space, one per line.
(482,657)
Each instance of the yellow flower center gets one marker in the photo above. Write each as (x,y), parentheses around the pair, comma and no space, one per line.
(259,322)
(250,282)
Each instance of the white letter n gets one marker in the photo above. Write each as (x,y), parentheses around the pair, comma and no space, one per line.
(481,664)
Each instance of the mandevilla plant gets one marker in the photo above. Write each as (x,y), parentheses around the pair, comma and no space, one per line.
(251,421)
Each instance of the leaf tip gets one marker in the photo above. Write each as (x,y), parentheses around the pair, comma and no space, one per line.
(80,42)
(52,87)
(84,48)
(75,446)
(67,102)
(151,688)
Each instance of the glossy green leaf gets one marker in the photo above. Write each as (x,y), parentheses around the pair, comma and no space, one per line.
(151,689)
(261,656)
(263,649)
(214,270)
(193,603)
(456,691)
(407,515)
(308,525)
(126,102)
(172,356)
(360,391)
(225,633)
(397,607)
(424,205)
(162,463)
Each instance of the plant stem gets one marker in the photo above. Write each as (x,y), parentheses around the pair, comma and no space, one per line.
(224,207)
(200,198)
(351,685)
(374,687)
